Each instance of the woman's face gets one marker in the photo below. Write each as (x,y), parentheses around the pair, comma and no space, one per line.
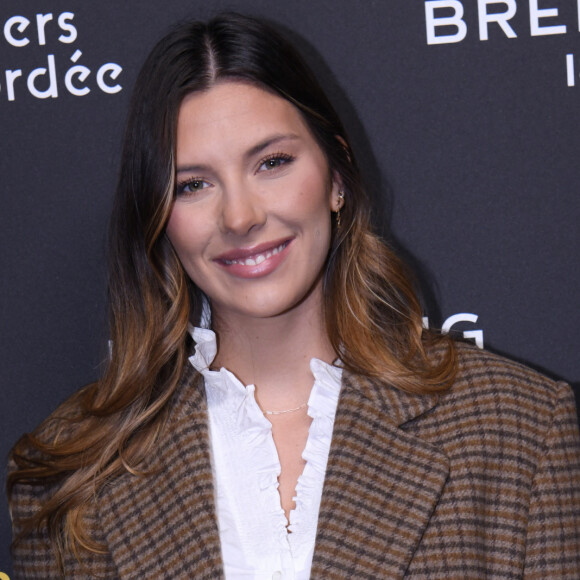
(251,222)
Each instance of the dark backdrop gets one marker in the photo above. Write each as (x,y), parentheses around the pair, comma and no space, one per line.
(470,145)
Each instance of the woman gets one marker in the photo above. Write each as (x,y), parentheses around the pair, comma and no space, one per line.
(266,345)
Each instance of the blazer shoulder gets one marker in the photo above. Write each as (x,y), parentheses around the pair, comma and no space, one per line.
(481,371)
(495,395)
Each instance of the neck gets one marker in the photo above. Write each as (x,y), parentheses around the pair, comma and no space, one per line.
(274,353)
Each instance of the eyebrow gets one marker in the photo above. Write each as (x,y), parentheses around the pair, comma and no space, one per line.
(254,150)
(272,140)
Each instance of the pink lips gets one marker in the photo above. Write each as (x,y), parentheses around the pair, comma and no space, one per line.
(256,261)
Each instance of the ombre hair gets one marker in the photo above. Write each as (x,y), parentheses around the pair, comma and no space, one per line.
(373,316)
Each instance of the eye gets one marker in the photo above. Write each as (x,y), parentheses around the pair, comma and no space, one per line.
(274,161)
(191,185)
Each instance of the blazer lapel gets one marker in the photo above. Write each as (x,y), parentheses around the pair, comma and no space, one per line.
(163,525)
(382,484)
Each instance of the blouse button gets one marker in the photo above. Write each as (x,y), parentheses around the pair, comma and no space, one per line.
(277,575)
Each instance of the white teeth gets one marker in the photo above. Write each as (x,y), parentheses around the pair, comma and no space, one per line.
(257,259)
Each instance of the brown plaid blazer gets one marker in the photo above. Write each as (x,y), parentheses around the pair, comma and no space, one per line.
(481,482)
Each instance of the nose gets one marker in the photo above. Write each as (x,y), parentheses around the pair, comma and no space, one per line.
(242,210)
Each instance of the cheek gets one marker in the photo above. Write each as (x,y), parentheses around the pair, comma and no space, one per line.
(315,204)
(313,197)
(184,232)
(175,230)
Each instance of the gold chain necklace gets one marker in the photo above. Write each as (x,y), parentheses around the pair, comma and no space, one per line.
(286,411)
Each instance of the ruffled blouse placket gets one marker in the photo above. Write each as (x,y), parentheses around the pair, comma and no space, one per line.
(254,531)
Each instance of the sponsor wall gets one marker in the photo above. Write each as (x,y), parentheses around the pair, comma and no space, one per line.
(465,116)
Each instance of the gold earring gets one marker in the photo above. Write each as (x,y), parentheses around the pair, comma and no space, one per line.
(340,201)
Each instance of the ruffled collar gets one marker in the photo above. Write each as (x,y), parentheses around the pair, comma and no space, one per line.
(322,400)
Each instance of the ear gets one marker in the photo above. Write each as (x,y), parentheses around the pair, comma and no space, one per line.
(337,200)
(337,193)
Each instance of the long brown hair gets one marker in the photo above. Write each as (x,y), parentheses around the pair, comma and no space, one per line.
(372,313)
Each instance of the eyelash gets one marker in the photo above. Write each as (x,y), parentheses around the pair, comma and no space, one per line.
(283,157)
(181,185)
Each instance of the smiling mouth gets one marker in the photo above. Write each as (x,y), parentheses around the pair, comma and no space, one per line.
(258,258)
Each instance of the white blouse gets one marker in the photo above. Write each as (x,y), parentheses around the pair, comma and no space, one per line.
(254,538)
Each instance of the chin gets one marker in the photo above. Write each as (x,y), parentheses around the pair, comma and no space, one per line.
(261,310)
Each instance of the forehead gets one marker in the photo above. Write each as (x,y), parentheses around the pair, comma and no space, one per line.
(235,114)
